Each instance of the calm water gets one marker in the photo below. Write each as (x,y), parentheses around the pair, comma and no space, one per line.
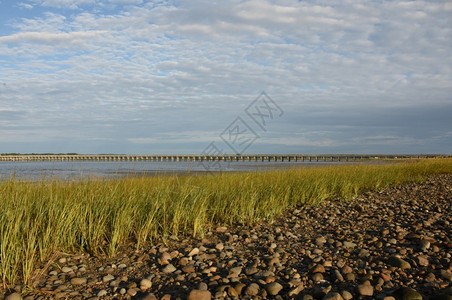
(81,169)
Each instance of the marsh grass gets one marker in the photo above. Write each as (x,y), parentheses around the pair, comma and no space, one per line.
(40,219)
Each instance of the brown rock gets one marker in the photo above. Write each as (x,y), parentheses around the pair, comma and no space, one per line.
(365,290)
(199,295)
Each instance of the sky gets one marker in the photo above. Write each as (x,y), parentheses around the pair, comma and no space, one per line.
(189,77)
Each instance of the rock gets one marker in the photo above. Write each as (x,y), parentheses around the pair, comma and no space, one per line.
(165,258)
(318,269)
(202,286)
(145,284)
(347,244)
(14,296)
(219,246)
(131,292)
(236,270)
(295,291)
(194,252)
(333,296)
(252,289)
(422,260)
(251,271)
(149,296)
(199,295)
(78,280)
(169,269)
(446,274)
(189,269)
(398,262)
(317,277)
(273,288)
(102,293)
(407,293)
(346,295)
(108,278)
(67,270)
(365,290)
(222,229)
(232,292)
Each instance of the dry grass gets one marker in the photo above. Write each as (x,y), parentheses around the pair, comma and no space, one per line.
(39,219)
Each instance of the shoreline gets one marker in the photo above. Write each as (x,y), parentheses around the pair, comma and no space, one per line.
(388,243)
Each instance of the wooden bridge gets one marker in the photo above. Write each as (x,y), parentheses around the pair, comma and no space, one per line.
(197,157)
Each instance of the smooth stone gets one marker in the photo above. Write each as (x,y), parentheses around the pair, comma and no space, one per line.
(365,290)
(101,293)
(347,244)
(273,288)
(318,269)
(251,271)
(145,284)
(346,295)
(169,269)
(407,293)
(14,296)
(446,274)
(78,281)
(252,289)
(108,278)
(333,296)
(67,270)
(398,262)
(199,295)
(194,252)
(317,277)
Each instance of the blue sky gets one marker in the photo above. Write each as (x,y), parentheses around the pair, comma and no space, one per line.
(136,76)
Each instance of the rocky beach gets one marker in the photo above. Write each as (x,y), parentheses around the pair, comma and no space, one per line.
(394,243)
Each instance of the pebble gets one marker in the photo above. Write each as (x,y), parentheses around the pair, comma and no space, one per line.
(14,296)
(273,288)
(199,295)
(67,270)
(407,293)
(333,296)
(398,262)
(78,280)
(145,284)
(102,293)
(365,290)
(169,269)
(108,278)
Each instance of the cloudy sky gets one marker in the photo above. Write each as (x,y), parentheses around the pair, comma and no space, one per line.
(137,76)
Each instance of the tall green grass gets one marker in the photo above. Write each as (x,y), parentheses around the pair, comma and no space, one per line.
(39,219)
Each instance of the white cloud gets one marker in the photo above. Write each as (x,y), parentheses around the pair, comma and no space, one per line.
(196,63)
